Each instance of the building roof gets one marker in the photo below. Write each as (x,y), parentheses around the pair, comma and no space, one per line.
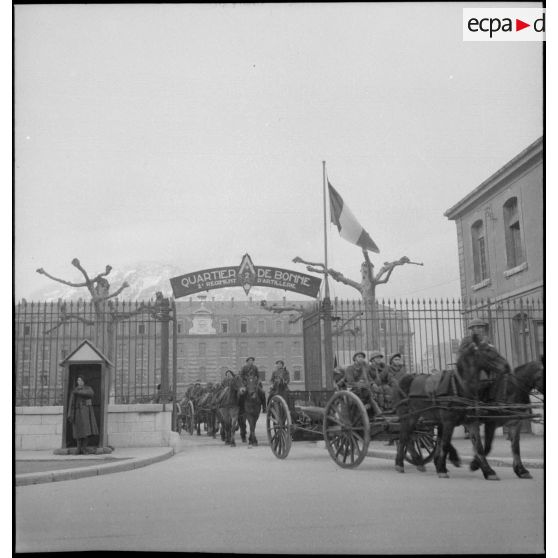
(528,157)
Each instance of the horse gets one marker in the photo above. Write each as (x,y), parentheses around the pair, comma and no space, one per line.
(447,400)
(512,395)
(252,401)
(227,404)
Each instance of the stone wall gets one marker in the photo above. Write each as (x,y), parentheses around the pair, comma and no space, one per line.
(146,425)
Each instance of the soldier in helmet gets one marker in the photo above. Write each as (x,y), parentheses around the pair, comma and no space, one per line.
(249,369)
(357,378)
(477,327)
(377,369)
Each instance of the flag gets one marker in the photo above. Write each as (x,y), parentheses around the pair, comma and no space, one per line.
(349,228)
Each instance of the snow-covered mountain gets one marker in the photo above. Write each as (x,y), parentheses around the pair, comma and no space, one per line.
(145,279)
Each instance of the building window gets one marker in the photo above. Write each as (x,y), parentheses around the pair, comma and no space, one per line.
(243,349)
(179,327)
(262,371)
(27,352)
(26,329)
(278,326)
(261,348)
(514,250)
(243,326)
(141,329)
(224,327)
(44,378)
(297,374)
(261,326)
(479,251)
(201,349)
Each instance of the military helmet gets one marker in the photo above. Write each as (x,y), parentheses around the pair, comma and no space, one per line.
(477,322)
(375,354)
(359,353)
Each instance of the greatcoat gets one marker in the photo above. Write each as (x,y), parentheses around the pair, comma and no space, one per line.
(80,413)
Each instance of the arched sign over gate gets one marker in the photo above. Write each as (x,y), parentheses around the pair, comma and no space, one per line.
(246,275)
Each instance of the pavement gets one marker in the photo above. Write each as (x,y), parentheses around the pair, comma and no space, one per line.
(44,466)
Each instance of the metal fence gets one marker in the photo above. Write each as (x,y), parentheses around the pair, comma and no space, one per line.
(428,332)
(128,334)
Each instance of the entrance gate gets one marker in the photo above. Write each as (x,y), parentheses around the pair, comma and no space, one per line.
(312,338)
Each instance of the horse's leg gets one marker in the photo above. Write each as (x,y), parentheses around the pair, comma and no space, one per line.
(478,448)
(453,456)
(406,428)
(252,436)
(518,467)
(234,424)
(448,426)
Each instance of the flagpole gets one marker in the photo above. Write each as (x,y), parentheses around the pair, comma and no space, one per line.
(326,308)
(326,292)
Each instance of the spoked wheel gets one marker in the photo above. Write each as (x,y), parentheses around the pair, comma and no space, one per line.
(189,417)
(346,429)
(422,447)
(278,424)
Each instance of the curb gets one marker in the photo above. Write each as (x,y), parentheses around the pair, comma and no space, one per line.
(493,461)
(91,471)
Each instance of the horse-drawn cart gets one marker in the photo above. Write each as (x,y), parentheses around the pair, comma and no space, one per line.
(342,421)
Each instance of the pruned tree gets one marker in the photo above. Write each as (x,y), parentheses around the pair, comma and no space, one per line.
(106,315)
(299,311)
(366,286)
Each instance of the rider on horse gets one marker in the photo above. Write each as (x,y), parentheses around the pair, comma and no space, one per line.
(280,379)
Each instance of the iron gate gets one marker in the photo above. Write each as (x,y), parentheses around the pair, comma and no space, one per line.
(312,340)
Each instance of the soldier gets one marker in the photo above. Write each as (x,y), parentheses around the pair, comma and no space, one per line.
(280,379)
(396,367)
(477,327)
(357,378)
(378,376)
(249,369)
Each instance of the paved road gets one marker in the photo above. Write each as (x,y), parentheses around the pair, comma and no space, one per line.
(218,499)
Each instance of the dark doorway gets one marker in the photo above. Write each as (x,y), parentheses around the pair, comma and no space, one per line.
(92,375)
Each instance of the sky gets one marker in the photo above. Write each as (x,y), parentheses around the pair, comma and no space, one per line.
(192,134)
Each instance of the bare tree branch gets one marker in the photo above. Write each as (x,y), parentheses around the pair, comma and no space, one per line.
(43,272)
(340,278)
(68,317)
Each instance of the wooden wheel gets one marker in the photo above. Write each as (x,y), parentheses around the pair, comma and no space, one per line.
(278,425)
(346,429)
(422,447)
(189,417)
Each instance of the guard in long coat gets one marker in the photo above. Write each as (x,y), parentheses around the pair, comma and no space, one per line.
(81,415)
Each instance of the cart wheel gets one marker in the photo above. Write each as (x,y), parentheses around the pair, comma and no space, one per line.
(189,417)
(422,447)
(278,424)
(346,429)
